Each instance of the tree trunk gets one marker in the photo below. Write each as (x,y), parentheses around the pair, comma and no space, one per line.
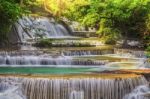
(45,2)
(125,43)
(21,2)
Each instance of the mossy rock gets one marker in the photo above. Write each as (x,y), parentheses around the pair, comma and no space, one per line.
(44,43)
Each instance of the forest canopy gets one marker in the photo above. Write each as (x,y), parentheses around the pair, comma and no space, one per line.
(112,19)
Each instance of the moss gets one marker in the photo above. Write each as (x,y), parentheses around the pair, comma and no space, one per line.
(62,43)
(105,47)
(148,48)
(44,43)
(147,54)
(111,41)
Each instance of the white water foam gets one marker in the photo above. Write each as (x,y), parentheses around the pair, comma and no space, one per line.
(10,89)
(141,92)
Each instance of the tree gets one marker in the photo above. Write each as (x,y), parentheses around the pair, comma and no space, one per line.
(10,11)
(112,18)
(128,16)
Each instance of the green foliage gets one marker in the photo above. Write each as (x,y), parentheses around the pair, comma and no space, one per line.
(44,43)
(112,18)
(10,12)
(147,34)
(110,35)
(148,48)
(147,53)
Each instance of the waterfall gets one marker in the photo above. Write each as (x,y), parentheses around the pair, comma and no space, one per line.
(66,87)
(30,60)
(35,27)
(10,89)
(40,58)
(141,92)
(34,60)
(80,88)
(77,95)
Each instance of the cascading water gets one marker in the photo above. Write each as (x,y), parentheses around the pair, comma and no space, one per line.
(62,87)
(35,27)
(10,89)
(141,92)
(33,60)
(77,95)
(75,88)
(40,58)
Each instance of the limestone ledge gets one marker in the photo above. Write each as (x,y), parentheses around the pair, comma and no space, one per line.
(77,76)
